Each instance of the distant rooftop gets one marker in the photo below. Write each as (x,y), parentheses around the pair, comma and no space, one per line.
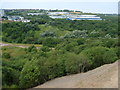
(77,17)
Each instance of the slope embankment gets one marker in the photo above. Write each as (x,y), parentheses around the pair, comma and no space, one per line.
(105,76)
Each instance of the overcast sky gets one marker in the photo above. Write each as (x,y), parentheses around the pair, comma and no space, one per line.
(95,6)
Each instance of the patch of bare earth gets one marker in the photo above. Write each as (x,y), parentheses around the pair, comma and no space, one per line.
(105,76)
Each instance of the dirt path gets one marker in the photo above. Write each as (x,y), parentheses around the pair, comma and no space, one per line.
(105,76)
(3,44)
(15,45)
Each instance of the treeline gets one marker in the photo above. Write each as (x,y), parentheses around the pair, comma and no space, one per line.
(25,11)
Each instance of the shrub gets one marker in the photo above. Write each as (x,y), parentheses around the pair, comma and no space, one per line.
(32,49)
(9,76)
(48,34)
(45,49)
(32,73)
(54,67)
(100,55)
(51,42)
(6,55)
(76,63)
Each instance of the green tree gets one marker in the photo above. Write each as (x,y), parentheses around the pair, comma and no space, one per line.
(32,73)
(100,55)
(76,63)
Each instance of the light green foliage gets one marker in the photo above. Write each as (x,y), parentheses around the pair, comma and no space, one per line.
(32,73)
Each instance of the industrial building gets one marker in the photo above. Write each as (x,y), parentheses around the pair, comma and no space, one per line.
(76,17)
(59,17)
(57,13)
(17,18)
(35,14)
(84,17)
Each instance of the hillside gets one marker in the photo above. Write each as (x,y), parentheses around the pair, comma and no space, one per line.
(43,49)
(105,76)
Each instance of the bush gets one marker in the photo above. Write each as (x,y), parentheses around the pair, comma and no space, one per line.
(111,43)
(51,42)
(6,55)
(100,55)
(45,49)
(32,73)
(54,67)
(80,41)
(9,76)
(32,49)
(48,34)
(76,63)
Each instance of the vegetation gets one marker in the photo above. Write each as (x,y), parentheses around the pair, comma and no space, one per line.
(67,47)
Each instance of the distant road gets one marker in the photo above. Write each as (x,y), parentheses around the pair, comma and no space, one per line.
(105,76)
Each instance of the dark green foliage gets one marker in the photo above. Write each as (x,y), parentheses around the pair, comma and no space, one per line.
(51,42)
(6,55)
(100,55)
(45,49)
(19,32)
(80,41)
(32,49)
(76,63)
(111,43)
(10,76)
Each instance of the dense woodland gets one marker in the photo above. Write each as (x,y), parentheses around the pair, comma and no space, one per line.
(68,47)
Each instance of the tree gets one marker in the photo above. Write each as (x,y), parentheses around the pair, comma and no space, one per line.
(32,49)
(51,42)
(6,55)
(100,55)
(48,34)
(32,73)
(10,76)
(76,63)
(45,49)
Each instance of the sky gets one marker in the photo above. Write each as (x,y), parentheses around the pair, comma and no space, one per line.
(93,6)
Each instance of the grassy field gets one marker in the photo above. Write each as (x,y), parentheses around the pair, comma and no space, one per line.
(14,51)
(57,31)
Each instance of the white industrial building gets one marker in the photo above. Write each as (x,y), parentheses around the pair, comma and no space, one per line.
(76,17)
(17,18)
(57,13)
(84,17)
(35,13)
